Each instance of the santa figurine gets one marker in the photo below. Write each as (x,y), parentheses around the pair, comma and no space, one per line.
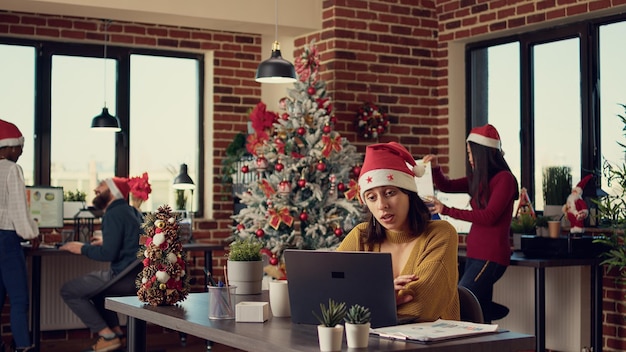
(575,208)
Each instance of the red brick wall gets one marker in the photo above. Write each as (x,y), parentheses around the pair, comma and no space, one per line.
(394,53)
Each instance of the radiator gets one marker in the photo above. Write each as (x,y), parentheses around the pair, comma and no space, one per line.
(56,270)
(568,312)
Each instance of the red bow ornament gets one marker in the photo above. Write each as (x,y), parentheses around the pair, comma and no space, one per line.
(276,217)
(331,144)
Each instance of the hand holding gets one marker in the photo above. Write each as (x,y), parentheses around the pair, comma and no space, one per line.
(430,158)
(434,205)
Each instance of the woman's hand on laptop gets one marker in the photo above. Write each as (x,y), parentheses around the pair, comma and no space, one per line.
(399,283)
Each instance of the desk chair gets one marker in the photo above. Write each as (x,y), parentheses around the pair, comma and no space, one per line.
(470,306)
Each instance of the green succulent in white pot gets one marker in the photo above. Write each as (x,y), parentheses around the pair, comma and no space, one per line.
(357,326)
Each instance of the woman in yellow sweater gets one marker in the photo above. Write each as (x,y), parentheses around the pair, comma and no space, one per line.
(423,251)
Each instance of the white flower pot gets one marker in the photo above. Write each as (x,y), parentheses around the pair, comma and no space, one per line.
(357,335)
(247,276)
(330,339)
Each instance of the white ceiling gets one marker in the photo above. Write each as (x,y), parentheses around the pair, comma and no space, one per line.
(295,17)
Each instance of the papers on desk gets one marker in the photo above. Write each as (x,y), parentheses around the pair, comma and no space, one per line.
(434,331)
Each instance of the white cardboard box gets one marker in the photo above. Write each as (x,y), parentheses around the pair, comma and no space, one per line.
(252,312)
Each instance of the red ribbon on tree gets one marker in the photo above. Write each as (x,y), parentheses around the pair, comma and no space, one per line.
(331,144)
(267,188)
(353,190)
(276,217)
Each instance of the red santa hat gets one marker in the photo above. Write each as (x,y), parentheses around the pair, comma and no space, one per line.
(581,185)
(486,135)
(10,135)
(118,186)
(388,164)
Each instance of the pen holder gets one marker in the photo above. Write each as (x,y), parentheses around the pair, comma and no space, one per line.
(222,302)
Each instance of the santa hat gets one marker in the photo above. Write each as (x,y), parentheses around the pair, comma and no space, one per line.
(486,135)
(10,135)
(118,186)
(386,165)
(581,185)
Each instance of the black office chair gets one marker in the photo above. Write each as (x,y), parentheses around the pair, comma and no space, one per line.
(470,306)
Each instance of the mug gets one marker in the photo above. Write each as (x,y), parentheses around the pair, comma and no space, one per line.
(279,298)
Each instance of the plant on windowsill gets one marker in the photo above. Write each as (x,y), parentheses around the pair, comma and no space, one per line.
(556,186)
(357,326)
(612,213)
(73,203)
(330,332)
(244,265)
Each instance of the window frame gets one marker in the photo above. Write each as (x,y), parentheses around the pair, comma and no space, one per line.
(44,51)
(588,34)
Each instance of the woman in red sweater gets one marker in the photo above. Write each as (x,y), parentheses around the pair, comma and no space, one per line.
(493,190)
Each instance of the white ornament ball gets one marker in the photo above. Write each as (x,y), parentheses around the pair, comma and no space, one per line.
(162,276)
(145,253)
(171,257)
(144,280)
(171,220)
(158,239)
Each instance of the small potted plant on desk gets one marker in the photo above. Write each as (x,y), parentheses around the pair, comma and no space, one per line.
(357,326)
(244,266)
(522,225)
(330,332)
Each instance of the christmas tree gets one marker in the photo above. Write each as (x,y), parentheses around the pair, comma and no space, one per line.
(163,280)
(303,193)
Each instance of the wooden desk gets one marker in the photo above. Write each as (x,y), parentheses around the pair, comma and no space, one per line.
(276,334)
(35,311)
(540,265)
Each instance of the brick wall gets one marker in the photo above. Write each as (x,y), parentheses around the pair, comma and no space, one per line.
(394,53)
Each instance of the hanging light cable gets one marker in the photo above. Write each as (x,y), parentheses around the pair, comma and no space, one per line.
(105,121)
(276,69)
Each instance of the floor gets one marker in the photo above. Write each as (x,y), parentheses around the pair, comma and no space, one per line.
(157,342)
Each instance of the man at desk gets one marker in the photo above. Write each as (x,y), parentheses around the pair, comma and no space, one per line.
(121,227)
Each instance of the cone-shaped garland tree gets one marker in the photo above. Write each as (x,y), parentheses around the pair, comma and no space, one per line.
(163,280)
(304,192)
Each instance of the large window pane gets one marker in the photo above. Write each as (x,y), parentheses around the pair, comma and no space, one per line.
(80,156)
(164,119)
(557,109)
(612,78)
(17,101)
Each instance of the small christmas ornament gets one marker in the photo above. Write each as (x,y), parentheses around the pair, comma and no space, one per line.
(301,131)
(285,116)
(341,187)
(284,187)
(301,182)
(245,169)
(356,171)
(311,90)
(320,166)
(338,232)
(326,128)
(240,227)
(261,163)
(259,233)
(273,260)
(279,166)
(304,216)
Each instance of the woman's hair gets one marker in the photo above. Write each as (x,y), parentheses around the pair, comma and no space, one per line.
(418,218)
(487,163)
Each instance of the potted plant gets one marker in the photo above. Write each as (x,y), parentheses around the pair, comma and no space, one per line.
(524,224)
(73,202)
(330,332)
(541,225)
(357,326)
(244,265)
(556,186)
(612,214)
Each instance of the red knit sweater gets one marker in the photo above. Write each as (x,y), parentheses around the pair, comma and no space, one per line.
(488,238)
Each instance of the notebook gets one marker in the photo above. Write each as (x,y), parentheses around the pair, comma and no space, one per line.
(364,278)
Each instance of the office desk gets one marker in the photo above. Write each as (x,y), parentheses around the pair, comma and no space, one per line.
(540,265)
(35,311)
(277,334)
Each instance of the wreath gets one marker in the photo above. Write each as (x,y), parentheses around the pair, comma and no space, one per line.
(372,121)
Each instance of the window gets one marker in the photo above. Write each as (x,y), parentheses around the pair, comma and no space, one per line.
(556,111)
(56,89)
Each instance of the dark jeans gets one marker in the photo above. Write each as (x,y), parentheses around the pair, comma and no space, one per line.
(13,281)
(479,276)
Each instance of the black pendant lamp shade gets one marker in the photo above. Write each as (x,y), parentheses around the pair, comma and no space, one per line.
(276,69)
(106,122)
(183,181)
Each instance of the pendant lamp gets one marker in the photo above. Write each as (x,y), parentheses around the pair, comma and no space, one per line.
(276,69)
(183,181)
(105,121)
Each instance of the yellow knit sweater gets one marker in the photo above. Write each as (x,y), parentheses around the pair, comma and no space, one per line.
(435,263)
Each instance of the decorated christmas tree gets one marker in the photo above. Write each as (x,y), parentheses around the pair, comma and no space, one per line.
(303,191)
(163,280)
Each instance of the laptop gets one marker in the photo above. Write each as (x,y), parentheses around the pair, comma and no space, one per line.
(364,278)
